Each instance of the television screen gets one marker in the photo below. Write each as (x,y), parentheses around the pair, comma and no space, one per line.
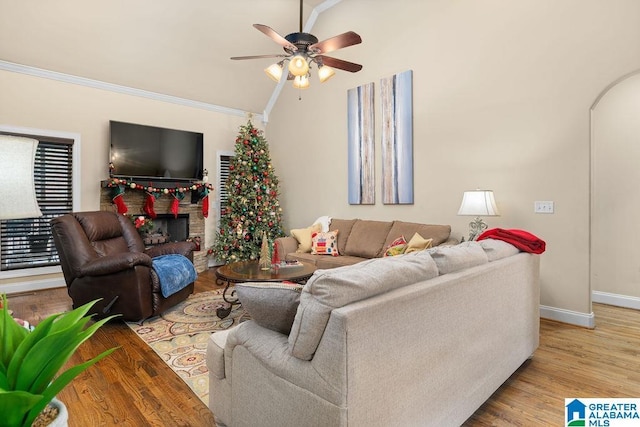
(140,151)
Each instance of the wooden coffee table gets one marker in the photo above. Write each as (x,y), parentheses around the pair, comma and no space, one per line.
(249,271)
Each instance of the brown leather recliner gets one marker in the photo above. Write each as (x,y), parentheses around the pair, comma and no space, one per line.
(103,256)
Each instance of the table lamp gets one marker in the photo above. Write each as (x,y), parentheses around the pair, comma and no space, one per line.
(478,203)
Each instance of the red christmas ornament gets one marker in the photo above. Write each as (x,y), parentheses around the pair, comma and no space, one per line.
(270,224)
(231,167)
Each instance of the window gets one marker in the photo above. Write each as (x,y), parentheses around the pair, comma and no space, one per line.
(27,244)
(224,161)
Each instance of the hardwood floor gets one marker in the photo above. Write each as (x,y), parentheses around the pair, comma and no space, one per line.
(133,387)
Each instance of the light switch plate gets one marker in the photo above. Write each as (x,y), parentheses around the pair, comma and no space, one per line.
(545,207)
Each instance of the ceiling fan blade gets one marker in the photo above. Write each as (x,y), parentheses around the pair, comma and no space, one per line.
(340,64)
(270,32)
(338,42)
(258,56)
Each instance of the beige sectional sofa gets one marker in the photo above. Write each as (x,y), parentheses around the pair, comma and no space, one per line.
(421,339)
(359,240)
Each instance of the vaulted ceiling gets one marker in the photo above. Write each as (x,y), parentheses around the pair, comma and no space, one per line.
(179,48)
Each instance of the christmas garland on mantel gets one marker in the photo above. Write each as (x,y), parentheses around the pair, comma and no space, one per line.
(118,187)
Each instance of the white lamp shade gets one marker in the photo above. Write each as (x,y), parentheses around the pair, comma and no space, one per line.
(274,71)
(301,82)
(17,191)
(298,66)
(325,73)
(478,203)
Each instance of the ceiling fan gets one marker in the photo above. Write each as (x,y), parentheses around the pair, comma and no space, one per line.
(303,49)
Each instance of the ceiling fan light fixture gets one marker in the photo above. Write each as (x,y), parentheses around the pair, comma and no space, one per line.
(299,66)
(301,82)
(274,71)
(325,73)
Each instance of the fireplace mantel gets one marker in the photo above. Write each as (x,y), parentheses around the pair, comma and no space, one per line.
(134,199)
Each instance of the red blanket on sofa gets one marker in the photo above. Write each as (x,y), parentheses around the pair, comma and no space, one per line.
(521,239)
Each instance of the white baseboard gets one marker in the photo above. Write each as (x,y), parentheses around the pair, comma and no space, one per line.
(568,316)
(33,285)
(616,299)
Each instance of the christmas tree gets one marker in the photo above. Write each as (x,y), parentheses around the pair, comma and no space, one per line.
(252,206)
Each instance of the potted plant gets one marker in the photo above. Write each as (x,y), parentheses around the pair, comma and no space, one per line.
(30,360)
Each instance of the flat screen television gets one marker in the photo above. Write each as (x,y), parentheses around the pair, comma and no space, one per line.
(154,153)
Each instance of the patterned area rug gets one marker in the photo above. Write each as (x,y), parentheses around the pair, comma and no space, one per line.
(180,335)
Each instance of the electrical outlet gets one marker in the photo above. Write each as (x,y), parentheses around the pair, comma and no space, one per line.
(543,207)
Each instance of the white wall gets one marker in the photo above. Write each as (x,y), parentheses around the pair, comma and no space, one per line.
(41,103)
(502,91)
(615,260)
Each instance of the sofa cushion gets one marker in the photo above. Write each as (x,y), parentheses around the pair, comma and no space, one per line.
(337,287)
(367,238)
(450,259)
(498,249)
(325,243)
(345,226)
(418,243)
(271,305)
(439,233)
(303,236)
(293,256)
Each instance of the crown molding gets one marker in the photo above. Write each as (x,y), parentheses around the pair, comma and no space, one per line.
(97,84)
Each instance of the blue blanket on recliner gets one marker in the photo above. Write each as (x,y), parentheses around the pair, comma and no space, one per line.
(175,272)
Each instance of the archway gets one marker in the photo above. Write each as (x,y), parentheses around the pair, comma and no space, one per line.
(615,194)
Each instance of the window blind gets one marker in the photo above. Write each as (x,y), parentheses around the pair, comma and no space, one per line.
(225,162)
(28,243)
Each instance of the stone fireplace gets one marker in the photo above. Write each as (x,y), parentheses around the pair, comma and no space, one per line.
(189,224)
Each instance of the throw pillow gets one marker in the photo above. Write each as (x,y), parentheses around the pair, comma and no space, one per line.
(272,306)
(418,243)
(397,247)
(325,243)
(303,236)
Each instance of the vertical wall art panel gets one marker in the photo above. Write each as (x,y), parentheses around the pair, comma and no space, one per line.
(361,153)
(397,138)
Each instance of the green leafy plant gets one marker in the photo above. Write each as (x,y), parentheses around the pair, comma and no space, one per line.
(29,361)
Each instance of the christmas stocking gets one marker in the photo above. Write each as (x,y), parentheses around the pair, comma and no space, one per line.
(175,203)
(205,202)
(116,198)
(150,199)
